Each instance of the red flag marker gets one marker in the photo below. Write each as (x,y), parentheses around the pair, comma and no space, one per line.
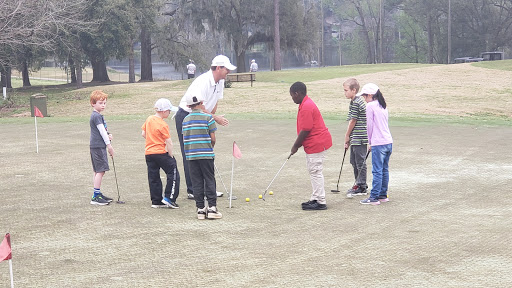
(236,151)
(5,248)
(37,112)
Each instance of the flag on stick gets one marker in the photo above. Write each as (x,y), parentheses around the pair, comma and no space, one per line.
(37,113)
(5,248)
(236,154)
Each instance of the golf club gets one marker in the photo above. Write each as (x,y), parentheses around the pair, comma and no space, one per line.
(359,172)
(337,188)
(226,189)
(115,175)
(265,193)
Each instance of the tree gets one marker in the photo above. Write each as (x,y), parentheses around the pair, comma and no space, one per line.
(277,38)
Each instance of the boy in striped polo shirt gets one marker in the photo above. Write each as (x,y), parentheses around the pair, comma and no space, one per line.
(198,141)
(356,137)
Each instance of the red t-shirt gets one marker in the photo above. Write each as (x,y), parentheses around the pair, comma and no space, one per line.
(310,119)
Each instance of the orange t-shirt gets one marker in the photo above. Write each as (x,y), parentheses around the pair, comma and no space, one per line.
(157,131)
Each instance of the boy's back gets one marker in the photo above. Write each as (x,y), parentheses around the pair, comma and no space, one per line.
(197,127)
(157,131)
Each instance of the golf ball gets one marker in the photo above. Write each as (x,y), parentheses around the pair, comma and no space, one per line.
(260,196)
(247,199)
(271,193)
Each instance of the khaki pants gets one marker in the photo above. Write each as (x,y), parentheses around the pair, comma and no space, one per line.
(314,163)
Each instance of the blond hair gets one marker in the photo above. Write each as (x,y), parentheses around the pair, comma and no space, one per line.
(352,84)
(98,95)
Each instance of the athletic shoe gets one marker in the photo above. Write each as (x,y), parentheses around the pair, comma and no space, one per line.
(169,203)
(370,201)
(356,190)
(219,194)
(201,213)
(383,199)
(213,213)
(308,203)
(314,206)
(190,196)
(159,205)
(98,200)
(106,198)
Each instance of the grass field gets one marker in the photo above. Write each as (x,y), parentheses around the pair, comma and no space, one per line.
(446,224)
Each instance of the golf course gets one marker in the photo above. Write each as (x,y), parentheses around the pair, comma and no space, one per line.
(446,224)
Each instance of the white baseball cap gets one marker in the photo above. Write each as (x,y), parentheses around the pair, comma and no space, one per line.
(369,89)
(194,98)
(221,60)
(163,104)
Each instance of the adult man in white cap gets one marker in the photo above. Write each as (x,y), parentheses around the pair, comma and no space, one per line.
(210,87)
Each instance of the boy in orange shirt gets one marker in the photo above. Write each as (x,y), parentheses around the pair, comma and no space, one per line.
(159,155)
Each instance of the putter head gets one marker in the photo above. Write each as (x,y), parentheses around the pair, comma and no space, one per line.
(120,202)
(335,191)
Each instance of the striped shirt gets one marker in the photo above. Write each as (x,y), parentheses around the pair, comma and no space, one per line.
(357,110)
(197,142)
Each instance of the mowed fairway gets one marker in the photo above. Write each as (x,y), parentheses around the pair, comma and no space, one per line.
(447,224)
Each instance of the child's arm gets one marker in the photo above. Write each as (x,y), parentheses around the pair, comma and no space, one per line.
(212,136)
(144,134)
(106,138)
(168,146)
(298,142)
(351,125)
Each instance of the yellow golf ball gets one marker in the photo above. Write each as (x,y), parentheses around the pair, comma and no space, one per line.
(260,196)
(271,193)
(247,199)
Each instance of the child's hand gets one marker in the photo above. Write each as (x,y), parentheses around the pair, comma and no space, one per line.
(110,137)
(110,150)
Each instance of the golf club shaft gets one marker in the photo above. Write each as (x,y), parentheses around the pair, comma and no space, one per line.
(341,169)
(359,170)
(218,173)
(115,175)
(275,176)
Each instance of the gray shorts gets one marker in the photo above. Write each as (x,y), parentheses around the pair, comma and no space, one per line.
(99,160)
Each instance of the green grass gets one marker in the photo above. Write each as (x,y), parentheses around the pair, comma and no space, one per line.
(498,65)
(325,73)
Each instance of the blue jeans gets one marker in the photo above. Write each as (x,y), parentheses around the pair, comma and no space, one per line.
(380,170)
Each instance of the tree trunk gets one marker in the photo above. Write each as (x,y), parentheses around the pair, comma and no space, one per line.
(8,74)
(430,40)
(79,74)
(146,68)
(99,71)
(240,62)
(371,55)
(131,65)
(24,74)
(71,67)
(277,38)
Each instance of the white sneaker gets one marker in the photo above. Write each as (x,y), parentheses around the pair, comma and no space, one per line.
(213,213)
(201,213)
(219,194)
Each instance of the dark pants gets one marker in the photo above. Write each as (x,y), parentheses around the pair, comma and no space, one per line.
(178,119)
(202,172)
(190,76)
(358,161)
(168,164)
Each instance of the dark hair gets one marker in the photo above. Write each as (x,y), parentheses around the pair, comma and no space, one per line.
(378,96)
(299,87)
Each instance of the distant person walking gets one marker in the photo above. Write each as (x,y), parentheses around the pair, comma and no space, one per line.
(380,141)
(254,66)
(209,87)
(191,70)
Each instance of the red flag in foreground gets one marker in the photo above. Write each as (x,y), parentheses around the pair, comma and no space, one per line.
(236,151)
(37,112)
(5,248)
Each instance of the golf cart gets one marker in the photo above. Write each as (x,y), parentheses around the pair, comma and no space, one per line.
(492,56)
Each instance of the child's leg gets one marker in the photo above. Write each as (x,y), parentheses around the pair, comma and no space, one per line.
(155,183)
(378,156)
(196,175)
(385,170)
(210,186)
(315,169)
(172,188)
(360,164)
(98,176)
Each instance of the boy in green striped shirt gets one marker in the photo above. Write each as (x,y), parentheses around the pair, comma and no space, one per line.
(198,141)
(356,137)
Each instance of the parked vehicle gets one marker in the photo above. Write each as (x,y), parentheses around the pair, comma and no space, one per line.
(492,56)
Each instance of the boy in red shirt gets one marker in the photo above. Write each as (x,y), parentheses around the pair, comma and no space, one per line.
(316,139)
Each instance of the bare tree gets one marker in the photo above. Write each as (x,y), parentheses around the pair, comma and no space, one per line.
(277,37)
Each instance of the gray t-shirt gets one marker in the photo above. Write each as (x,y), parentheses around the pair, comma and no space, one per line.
(96,139)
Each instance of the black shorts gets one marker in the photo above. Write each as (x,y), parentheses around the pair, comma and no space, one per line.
(99,160)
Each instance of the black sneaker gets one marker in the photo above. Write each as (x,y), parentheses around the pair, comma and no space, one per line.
(106,198)
(170,204)
(213,213)
(201,213)
(356,190)
(190,196)
(308,203)
(98,200)
(314,206)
